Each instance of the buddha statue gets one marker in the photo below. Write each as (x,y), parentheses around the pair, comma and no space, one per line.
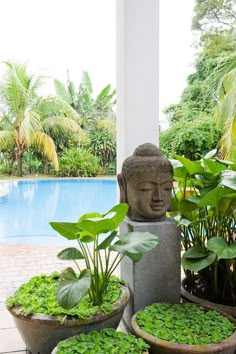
(145,183)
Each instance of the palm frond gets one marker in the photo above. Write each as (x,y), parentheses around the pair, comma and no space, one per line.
(14,88)
(228,140)
(60,124)
(62,92)
(55,106)
(30,124)
(86,81)
(45,145)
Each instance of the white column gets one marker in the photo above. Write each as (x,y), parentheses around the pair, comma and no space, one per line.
(137,75)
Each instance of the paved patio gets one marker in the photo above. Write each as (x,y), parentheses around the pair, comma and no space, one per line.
(18,263)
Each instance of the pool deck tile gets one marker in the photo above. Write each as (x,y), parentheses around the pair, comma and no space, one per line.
(18,263)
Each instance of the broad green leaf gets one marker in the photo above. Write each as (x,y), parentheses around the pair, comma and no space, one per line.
(191,166)
(108,240)
(220,247)
(213,197)
(68,230)
(197,264)
(70,253)
(196,252)
(71,288)
(175,163)
(229,179)
(184,222)
(210,154)
(85,237)
(90,216)
(186,207)
(136,257)
(96,227)
(214,166)
(180,173)
(120,211)
(135,242)
(98,224)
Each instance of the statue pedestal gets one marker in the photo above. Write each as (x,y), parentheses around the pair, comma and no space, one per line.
(156,277)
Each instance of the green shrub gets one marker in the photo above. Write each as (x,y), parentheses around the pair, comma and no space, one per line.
(78,163)
(193,139)
(7,166)
(103,145)
(31,163)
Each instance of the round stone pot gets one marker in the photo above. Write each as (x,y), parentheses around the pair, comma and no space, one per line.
(188,297)
(159,346)
(41,333)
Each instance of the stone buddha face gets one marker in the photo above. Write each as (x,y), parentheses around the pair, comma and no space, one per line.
(145,184)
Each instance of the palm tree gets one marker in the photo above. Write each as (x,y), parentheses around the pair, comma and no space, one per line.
(225,77)
(27,120)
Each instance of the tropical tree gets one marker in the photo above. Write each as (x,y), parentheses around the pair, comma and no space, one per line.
(97,117)
(27,120)
(214,16)
(209,88)
(89,108)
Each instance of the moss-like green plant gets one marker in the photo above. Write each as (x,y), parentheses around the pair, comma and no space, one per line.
(107,341)
(184,323)
(39,295)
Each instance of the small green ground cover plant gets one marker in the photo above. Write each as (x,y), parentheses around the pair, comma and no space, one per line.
(39,295)
(184,323)
(107,341)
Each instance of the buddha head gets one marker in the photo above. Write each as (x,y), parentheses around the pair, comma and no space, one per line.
(145,184)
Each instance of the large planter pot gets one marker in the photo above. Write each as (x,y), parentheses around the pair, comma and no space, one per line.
(41,333)
(159,346)
(188,297)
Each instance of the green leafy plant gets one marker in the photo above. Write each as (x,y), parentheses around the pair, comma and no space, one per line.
(184,323)
(205,205)
(97,238)
(107,341)
(76,162)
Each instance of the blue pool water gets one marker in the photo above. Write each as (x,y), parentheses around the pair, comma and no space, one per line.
(29,206)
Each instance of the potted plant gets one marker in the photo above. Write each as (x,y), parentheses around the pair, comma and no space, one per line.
(185,328)
(204,205)
(50,308)
(106,341)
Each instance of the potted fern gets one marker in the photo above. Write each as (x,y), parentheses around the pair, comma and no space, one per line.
(50,308)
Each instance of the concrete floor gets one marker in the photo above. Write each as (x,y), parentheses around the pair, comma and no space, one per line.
(18,263)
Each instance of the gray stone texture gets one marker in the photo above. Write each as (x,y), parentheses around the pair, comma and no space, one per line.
(156,277)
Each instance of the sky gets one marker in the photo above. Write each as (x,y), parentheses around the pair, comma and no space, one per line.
(55,35)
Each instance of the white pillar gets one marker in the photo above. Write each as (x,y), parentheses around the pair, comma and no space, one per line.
(137,75)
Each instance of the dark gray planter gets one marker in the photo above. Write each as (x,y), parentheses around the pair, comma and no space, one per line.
(41,333)
(187,297)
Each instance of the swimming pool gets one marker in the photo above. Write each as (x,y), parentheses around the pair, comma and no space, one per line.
(29,205)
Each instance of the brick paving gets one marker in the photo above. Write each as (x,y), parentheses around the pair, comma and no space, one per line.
(17,264)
